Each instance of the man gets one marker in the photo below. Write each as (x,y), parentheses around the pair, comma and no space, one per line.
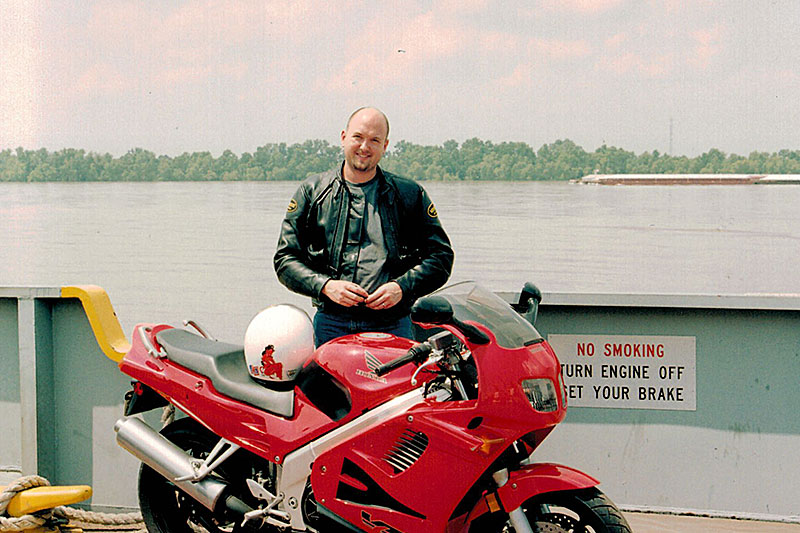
(363,243)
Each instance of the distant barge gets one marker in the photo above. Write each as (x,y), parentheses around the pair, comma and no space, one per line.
(691,179)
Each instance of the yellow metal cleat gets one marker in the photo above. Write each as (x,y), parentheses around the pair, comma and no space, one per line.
(39,498)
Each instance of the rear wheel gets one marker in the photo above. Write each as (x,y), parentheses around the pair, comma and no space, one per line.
(167,509)
(579,511)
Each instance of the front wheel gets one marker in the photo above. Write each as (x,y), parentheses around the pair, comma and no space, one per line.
(578,511)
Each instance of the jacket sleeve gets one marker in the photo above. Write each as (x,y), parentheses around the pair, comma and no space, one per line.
(432,259)
(291,260)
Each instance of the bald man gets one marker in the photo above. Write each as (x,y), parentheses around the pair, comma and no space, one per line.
(363,243)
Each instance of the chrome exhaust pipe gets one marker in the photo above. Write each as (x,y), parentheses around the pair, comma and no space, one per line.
(154,450)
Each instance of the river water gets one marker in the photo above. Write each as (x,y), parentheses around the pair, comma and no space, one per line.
(169,251)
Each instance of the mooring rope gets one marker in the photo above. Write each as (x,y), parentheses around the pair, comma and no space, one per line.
(40,518)
(80,516)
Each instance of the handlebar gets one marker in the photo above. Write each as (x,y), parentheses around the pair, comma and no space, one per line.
(416,352)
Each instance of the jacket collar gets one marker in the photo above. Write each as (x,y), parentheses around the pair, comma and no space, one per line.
(384,181)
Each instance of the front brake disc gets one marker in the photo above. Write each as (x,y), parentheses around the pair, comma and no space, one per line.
(547,527)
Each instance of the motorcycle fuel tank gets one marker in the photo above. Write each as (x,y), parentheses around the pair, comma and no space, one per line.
(352,361)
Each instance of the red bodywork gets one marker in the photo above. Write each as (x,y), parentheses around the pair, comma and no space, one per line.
(456,457)
(354,480)
(263,433)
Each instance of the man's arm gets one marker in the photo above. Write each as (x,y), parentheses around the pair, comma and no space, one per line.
(290,257)
(434,253)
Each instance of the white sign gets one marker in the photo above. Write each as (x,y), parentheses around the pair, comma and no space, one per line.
(631,372)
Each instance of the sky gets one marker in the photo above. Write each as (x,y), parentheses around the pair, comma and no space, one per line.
(680,77)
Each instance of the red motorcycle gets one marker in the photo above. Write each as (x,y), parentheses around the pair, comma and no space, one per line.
(375,433)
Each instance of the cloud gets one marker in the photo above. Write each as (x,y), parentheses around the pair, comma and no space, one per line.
(385,52)
(657,50)
(188,43)
(558,49)
(541,58)
(440,40)
(203,23)
(616,41)
(462,6)
(708,43)
(580,6)
(241,21)
(101,78)
(523,75)
(648,66)
(21,59)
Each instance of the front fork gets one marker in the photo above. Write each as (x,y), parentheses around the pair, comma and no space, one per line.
(516,516)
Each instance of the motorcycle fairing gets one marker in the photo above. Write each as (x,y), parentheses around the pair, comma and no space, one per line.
(357,487)
(496,419)
(298,464)
(359,475)
(530,481)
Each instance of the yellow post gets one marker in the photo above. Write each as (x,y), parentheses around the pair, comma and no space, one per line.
(102,318)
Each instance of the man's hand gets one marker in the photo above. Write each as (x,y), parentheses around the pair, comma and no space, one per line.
(345,293)
(386,296)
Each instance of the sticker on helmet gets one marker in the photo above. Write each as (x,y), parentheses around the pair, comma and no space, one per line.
(432,211)
(292,206)
(269,366)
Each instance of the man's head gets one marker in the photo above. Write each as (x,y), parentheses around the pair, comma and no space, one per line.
(364,141)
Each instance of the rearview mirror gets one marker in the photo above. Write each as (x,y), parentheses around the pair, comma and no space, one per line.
(529,291)
(529,299)
(432,310)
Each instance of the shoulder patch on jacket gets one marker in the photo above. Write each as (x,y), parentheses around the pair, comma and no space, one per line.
(292,206)
(432,211)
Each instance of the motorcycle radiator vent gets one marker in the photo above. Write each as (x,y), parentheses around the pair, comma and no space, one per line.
(407,450)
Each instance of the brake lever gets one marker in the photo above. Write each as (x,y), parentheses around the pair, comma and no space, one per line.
(433,359)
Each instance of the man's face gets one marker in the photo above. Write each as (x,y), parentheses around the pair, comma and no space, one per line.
(364,141)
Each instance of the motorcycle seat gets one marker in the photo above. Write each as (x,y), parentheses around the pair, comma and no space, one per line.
(224,364)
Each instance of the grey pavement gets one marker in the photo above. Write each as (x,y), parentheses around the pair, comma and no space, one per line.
(668,523)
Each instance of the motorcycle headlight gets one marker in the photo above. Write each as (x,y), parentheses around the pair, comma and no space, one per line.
(541,393)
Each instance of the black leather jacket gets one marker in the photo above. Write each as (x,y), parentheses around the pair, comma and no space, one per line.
(309,253)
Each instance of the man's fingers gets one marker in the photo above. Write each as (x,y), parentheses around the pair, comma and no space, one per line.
(386,296)
(372,298)
(344,293)
(354,294)
(380,295)
(358,291)
(348,294)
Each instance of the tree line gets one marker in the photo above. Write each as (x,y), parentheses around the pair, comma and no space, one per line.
(474,159)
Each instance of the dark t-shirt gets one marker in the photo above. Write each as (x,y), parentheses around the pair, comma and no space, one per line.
(365,251)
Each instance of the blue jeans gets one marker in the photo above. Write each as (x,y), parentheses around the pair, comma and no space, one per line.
(328,326)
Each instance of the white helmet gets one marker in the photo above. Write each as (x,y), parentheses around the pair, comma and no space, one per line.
(278,341)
